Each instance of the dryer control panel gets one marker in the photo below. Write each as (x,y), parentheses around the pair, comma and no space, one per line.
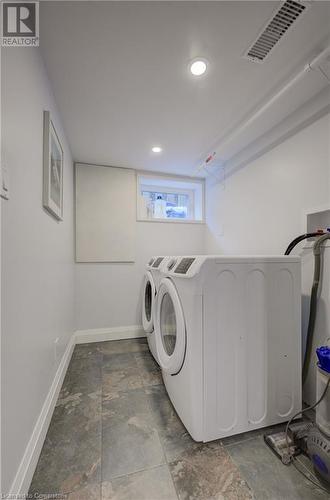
(157,262)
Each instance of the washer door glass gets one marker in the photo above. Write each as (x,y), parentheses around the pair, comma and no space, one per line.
(148,302)
(170,329)
(168,324)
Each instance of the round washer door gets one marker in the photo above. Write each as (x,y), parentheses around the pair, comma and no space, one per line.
(148,302)
(170,328)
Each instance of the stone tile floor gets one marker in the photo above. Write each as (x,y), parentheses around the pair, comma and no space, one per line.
(115,435)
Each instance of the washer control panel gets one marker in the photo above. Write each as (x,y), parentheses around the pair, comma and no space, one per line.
(171,264)
(184,265)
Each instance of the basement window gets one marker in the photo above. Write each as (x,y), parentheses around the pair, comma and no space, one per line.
(169,199)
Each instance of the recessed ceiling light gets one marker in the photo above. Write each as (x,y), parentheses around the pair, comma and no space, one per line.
(156,149)
(198,67)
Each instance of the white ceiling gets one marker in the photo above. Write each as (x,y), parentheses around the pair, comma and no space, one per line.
(120,78)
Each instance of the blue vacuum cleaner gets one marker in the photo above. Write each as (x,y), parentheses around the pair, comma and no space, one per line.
(318,439)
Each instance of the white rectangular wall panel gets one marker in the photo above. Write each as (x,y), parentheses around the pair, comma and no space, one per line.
(105,214)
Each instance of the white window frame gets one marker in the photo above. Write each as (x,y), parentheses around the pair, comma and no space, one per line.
(140,186)
(189,192)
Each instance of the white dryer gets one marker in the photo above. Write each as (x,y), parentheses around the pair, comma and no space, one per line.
(228,340)
(151,283)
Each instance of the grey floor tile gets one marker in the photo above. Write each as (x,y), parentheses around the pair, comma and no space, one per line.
(113,423)
(173,435)
(130,447)
(89,350)
(207,472)
(120,380)
(130,441)
(120,372)
(268,477)
(146,362)
(83,375)
(71,456)
(121,361)
(151,378)
(124,346)
(127,405)
(148,368)
(160,404)
(152,484)
(91,492)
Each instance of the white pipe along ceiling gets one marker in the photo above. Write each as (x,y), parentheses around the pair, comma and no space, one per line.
(239,138)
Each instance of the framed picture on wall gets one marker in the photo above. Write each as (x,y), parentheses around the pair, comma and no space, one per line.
(52,170)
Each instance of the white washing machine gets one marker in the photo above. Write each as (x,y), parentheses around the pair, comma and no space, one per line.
(228,340)
(151,283)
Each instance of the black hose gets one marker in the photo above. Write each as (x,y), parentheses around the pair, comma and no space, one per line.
(316,281)
(312,318)
(301,238)
(313,304)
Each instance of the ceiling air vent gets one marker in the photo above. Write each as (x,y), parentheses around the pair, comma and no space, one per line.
(285,17)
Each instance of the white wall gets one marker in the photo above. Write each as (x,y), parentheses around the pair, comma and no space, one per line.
(37,256)
(109,295)
(0,284)
(259,209)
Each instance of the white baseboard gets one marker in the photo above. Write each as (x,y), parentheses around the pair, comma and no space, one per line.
(106,334)
(24,475)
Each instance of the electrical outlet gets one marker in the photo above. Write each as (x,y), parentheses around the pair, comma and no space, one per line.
(4,183)
(56,347)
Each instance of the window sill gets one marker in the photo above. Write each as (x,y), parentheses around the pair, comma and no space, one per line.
(172,221)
